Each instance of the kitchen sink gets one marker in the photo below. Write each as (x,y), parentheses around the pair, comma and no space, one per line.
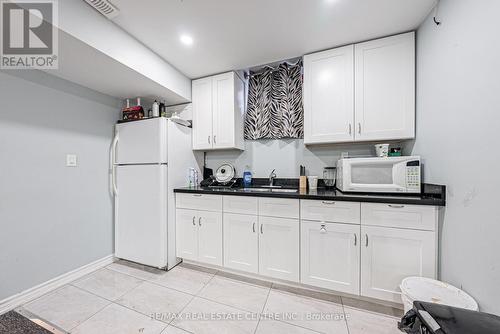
(257,189)
(269,189)
(284,190)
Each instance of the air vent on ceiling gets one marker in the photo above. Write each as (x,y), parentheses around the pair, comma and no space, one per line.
(104,7)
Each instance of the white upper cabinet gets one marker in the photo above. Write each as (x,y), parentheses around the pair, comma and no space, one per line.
(218,106)
(361,92)
(202,114)
(385,88)
(329,96)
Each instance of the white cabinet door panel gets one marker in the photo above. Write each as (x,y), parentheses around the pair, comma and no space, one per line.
(202,113)
(329,96)
(186,234)
(223,110)
(330,256)
(241,242)
(385,88)
(388,255)
(279,248)
(210,237)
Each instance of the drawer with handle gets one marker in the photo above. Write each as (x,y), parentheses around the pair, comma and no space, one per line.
(417,217)
(199,202)
(330,211)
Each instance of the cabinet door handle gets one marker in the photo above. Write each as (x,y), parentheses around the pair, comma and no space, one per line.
(355,239)
(366,245)
(199,221)
(261,231)
(359,128)
(215,139)
(197,195)
(328,202)
(209,139)
(350,128)
(194,223)
(322,230)
(396,206)
(253,227)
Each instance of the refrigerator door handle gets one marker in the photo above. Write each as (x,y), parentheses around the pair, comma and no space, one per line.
(113,167)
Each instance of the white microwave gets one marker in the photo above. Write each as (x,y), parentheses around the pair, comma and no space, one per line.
(379,175)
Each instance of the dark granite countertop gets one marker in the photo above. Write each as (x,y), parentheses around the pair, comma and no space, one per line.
(432,194)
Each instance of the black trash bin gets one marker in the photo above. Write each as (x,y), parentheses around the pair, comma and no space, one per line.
(429,318)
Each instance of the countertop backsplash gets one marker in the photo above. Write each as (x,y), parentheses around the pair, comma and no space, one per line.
(286,155)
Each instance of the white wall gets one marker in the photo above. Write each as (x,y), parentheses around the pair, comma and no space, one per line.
(53,218)
(285,156)
(458,124)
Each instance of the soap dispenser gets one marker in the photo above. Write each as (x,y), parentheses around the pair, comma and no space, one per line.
(247,177)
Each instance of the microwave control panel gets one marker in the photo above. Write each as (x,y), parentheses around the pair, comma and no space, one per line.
(413,175)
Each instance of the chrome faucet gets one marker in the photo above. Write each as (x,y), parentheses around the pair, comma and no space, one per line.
(272,176)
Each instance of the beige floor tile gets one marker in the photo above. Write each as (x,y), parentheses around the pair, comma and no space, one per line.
(183,279)
(321,316)
(202,316)
(157,301)
(174,330)
(116,319)
(108,284)
(237,294)
(363,322)
(67,307)
(278,327)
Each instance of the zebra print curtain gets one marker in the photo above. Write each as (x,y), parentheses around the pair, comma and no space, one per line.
(274,107)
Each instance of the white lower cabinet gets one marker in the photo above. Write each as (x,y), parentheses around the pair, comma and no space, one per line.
(362,249)
(279,248)
(389,254)
(210,237)
(241,244)
(186,234)
(199,236)
(330,256)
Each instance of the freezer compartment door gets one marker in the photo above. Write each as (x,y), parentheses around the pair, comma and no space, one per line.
(142,142)
(141,214)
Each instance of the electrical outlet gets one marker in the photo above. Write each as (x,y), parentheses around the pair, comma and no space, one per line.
(71,160)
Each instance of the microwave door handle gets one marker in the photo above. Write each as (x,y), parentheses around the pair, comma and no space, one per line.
(399,176)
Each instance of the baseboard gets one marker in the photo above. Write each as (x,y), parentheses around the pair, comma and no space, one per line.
(21,298)
(295,285)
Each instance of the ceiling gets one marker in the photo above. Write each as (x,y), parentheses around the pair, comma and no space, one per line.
(240,34)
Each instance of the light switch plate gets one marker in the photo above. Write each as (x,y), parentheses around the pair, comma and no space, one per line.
(71,160)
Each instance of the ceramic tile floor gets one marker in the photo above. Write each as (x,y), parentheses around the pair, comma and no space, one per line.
(126,298)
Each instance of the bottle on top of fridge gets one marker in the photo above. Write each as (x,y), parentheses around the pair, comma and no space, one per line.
(156,109)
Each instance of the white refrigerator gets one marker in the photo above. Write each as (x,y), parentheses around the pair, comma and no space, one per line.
(149,158)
